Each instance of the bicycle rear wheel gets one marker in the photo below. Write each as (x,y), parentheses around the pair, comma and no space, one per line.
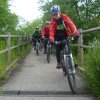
(48,54)
(40,47)
(70,69)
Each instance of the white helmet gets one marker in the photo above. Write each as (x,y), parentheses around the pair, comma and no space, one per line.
(55,9)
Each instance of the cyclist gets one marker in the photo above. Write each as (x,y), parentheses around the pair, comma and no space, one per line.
(36,36)
(45,34)
(61,26)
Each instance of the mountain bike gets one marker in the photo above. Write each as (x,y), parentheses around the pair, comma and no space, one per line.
(67,63)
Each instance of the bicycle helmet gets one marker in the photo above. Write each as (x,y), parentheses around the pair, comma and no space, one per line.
(55,9)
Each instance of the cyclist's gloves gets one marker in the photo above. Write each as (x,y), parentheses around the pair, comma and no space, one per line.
(76,38)
(42,37)
(51,40)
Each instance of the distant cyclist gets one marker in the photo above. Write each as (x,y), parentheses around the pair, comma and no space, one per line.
(36,36)
(61,26)
(45,34)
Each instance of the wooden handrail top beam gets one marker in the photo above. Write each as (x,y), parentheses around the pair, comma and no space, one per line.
(5,36)
(91,30)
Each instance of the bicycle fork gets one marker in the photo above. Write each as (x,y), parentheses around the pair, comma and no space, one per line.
(71,61)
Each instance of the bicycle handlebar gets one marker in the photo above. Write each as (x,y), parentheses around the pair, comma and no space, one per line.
(68,39)
(65,40)
(46,39)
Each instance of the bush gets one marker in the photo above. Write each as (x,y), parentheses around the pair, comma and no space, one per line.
(92,68)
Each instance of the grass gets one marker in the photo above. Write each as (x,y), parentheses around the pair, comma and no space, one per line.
(92,68)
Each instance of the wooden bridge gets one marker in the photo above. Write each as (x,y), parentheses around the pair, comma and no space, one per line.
(33,77)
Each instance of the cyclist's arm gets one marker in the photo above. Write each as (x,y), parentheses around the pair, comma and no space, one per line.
(72,26)
(43,32)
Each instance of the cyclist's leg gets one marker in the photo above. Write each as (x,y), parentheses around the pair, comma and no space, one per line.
(58,37)
(34,43)
(58,49)
(51,48)
(45,46)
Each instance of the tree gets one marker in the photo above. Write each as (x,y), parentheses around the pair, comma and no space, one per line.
(29,28)
(8,20)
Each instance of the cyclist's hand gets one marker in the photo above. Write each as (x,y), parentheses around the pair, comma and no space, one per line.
(42,38)
(51,41)
(76,37)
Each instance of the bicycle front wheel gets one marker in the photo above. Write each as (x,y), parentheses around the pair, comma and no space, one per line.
(70,69)
(37,49)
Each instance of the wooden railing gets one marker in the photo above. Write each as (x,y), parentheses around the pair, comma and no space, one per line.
(21,41)
(25,40)
(81,45)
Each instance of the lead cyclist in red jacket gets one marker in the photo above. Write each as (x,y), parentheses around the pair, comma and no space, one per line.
(61,26)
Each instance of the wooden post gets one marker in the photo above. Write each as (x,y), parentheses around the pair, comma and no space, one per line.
(80,49)
(18,43)
(8,42)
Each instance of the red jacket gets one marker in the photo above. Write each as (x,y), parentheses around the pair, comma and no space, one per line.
(70,26)
(45,32)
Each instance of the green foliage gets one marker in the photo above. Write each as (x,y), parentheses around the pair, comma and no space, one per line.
(2,43)
(3,62)
(11,23)
(92,68)
(29,28)
(8,20)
